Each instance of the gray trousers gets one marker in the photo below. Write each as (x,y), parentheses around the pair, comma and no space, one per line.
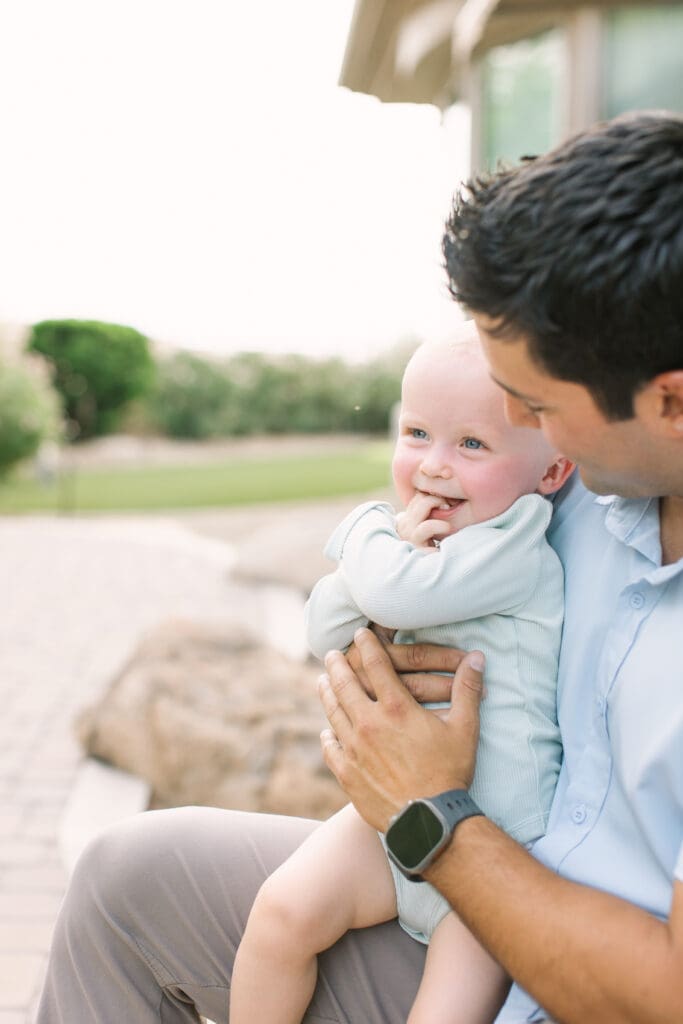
(155,911)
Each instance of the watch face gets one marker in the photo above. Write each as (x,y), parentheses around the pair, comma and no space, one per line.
(414,835)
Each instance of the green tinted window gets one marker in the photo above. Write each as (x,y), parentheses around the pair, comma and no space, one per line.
(642,62)
(522,94)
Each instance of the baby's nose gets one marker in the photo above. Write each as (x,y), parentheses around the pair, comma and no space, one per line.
(436,464)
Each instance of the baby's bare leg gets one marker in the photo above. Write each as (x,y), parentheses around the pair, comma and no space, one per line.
(338,879)
(461,983)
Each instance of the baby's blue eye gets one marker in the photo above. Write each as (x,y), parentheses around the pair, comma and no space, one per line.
(418,433)
(472,443)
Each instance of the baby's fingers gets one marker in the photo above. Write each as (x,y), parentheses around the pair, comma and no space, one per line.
(429,531)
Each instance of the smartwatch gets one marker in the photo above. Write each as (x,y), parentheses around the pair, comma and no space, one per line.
(424,828)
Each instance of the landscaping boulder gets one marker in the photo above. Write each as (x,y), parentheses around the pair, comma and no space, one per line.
(209,715)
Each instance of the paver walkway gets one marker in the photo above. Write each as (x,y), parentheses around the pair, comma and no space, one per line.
(77,594)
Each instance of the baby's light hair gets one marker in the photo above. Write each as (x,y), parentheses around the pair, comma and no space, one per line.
(463,342)
(466,334)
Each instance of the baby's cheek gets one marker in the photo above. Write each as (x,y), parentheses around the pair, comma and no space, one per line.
(503,483)
(402,472)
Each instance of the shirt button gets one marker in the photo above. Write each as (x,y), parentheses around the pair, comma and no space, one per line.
(579,814)
(637,600)
(600,703)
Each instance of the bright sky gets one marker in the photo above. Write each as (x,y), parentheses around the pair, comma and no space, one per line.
(192,168)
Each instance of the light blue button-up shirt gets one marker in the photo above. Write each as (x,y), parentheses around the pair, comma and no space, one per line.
(617,817)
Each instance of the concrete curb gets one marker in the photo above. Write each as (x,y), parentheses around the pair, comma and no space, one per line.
(101,796)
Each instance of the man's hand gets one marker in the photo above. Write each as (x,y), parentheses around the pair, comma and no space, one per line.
(415,526)
(415,665)
(387,751)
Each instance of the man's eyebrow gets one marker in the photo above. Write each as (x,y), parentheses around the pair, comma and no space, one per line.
(511,391)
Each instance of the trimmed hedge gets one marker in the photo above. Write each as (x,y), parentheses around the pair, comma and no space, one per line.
(97,368)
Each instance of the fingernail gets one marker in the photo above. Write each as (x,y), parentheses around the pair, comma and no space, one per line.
(476,661)
(323,680)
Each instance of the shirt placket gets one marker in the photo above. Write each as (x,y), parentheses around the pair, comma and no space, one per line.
(588,789)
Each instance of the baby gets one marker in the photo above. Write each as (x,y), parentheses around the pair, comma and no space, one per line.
(465,564)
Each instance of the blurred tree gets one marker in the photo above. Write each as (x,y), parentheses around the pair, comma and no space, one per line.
(376,390)
(323,396)
(194,398)
(254,393)
(96,367)
(291,393)
(29,414)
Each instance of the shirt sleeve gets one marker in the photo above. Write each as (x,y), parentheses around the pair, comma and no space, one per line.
(331,616)
(487,568)
(678,870)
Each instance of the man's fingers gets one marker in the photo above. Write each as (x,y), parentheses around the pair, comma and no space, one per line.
(466,696)
(334,712)
(424,657)
(468,682)
(340,691)
(331,706)
(332,751)
(378,667)
(415,665)
(427,687)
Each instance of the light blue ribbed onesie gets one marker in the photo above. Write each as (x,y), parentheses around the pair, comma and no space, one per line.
(496,586)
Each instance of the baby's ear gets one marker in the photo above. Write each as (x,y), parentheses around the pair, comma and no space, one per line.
(557,473)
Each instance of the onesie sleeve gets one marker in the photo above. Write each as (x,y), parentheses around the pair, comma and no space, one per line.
(331,616)
(487,568)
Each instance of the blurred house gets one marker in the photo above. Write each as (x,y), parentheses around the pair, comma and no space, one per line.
(530,71)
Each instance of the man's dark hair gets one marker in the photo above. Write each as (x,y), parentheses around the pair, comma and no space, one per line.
(581,252)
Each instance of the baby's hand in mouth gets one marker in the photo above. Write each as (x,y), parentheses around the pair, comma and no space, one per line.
(415,525)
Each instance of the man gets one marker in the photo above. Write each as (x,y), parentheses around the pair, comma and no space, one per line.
(572,266)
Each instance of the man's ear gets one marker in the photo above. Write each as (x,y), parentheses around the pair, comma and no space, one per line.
(557,473)
(661,402)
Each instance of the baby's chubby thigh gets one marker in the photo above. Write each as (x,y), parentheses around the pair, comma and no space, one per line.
(338,879)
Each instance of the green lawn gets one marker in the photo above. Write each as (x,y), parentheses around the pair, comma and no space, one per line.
(233,482)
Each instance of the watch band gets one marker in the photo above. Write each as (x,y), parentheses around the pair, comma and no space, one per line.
(456,805)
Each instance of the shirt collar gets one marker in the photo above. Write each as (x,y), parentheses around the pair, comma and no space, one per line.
(635,522)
